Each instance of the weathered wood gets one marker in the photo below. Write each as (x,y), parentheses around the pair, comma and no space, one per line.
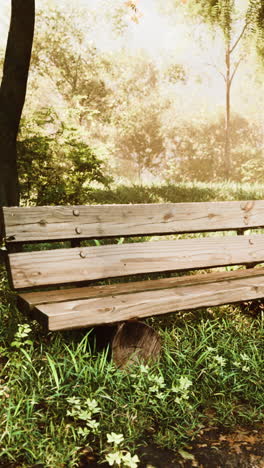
(29,224)
(97,305)
(241,232)
(72,265)
(135,342)
(31,299)
(118,308)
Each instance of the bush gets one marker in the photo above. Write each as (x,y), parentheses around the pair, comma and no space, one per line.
(56,166)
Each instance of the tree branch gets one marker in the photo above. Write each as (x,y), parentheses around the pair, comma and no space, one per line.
(217,69)
(239,38)
(235,70)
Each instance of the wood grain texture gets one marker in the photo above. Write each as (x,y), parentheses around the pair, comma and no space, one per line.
(32,299)
(116,308)
(75,265)
(28,224)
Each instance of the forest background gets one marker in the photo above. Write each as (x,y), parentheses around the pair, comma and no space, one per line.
(135,93)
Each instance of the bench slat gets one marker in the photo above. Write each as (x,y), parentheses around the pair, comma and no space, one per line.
(110,309)
(31,224)
(30,299)
(83,264)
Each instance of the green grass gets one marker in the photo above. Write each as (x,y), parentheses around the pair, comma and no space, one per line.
(62,398)
(182,192)
(59,395)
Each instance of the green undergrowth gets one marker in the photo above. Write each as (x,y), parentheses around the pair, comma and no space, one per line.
(176,193)
(62,399)
(171,193)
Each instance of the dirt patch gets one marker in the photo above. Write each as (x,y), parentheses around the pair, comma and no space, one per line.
(213,448)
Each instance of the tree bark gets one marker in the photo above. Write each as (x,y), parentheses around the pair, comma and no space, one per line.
(12,95)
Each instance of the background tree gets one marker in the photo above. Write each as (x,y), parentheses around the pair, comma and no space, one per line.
(236,24)
(196,151)
(12,95)
(141,143)
(72,62)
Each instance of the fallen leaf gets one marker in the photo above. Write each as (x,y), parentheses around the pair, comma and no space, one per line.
(186,455)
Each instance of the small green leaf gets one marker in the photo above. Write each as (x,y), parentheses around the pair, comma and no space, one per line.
(186,455)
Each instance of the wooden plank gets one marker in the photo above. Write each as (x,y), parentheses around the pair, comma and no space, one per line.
(32,299)
(103,310)
(29,224)
(72,265)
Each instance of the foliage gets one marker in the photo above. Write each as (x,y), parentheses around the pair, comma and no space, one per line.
(141,143)
(225,13)
(121,14)
(139,137)
(175,73)
(127,104)
(72,63)
(183,191)
(196,151)
(217,12)
(124,104)
(56,166)
(116,455)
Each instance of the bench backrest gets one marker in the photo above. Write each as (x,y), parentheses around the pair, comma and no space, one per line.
(24,225)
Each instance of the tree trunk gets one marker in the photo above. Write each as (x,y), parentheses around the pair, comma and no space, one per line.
(227,157)
(12,95)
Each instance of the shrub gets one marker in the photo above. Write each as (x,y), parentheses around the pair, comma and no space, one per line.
(56,166)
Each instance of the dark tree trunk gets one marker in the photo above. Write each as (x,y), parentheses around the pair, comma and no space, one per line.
(12,95)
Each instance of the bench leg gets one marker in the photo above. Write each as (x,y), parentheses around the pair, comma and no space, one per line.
(135,342)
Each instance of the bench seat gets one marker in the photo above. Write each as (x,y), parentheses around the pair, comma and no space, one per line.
(96,305)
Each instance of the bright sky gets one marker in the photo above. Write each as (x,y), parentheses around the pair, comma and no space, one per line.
(170,42)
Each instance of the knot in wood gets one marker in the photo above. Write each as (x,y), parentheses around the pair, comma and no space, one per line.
(82,254)
(76,212)
(42,222)
(78,230)
(247,206)
(167,217)
(246,220)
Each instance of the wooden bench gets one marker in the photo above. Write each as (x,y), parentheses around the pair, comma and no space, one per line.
(42,277)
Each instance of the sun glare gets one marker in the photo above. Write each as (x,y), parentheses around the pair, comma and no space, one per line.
(169,41)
